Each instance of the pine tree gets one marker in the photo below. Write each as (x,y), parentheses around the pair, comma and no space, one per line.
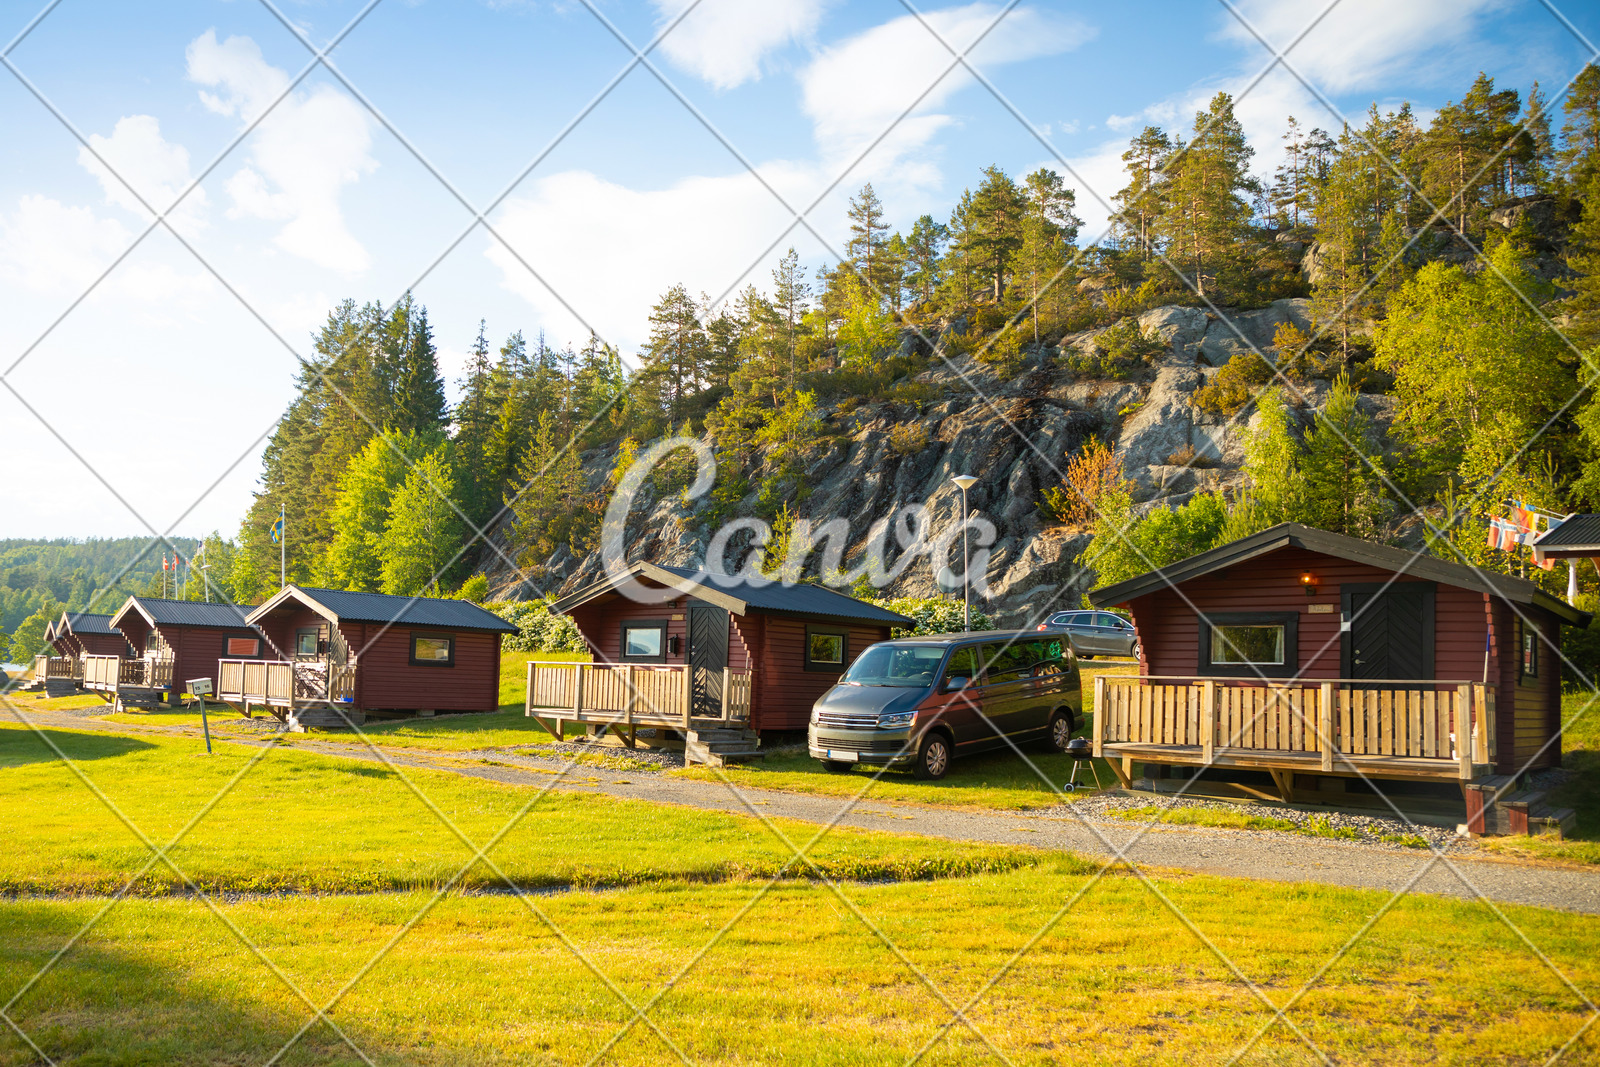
(676,353)
(423,532)
(1530,164)
(1291,193)
(924,248)
(868,232)
(1049,229)
(791,296)
(1209,188)
(1141,202)
(994,235)
(1579,155)
(1456,151)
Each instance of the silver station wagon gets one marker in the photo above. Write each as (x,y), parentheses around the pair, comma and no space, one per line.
(923,701)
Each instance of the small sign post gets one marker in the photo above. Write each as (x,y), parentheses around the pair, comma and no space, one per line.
(201,688)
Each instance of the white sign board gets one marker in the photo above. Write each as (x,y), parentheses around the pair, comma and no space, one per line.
(200,687)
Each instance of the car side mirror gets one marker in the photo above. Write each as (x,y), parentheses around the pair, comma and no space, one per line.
(956,684)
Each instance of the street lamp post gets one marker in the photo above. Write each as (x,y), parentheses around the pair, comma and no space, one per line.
(965,481)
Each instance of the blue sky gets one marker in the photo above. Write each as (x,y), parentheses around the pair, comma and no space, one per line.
(147,404)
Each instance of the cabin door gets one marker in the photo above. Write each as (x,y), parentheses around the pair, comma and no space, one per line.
(1388,632)
(708,657)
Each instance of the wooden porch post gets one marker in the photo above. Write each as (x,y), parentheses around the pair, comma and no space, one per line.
(1464,731)
(1208,720)
(688,694)
(1325,724)
(1480,741)
(1099,715)
(577,690)
(727,678)
(527,700)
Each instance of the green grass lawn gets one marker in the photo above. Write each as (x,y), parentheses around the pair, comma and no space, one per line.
(800,978)
(1580,744)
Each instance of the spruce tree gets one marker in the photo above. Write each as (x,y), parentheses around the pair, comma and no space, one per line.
(419,401)
(676,352)
(475,420)
(994,235)
(924,248)
(1340,467)
(791,297)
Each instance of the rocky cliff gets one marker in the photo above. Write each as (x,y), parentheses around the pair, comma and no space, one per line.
(1013,434)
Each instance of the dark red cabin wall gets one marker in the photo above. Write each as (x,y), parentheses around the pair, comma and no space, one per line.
(103,644)
(196,650)
(1525,715)
(600,622)
(787,689)
(386,678)
(280,626)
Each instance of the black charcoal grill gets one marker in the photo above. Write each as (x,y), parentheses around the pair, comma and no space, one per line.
(1080,751)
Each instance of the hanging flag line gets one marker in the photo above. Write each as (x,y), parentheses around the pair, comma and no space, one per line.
(1520,528)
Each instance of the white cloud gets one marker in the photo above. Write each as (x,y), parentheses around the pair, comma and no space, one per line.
(854,90)
(157,169)
(1360,42)
(723,42)
(48,247)
(302,156)
(702,232)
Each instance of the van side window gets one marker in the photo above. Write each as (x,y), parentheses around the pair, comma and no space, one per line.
(1046,651)
(962,665)
(1006,663)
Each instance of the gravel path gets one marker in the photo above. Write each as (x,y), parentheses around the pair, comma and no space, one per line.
(1086,825)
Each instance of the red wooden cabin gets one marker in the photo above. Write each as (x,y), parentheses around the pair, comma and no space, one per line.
(168,643)
(359,652)
(791,643)
(1301,651)
(77,633)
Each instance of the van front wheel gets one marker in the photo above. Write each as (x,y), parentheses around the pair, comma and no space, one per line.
(933,758)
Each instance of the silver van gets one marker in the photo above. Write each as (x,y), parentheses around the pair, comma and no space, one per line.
(923,701)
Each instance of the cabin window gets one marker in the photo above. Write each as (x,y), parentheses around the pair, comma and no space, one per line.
(645,641)
(1530,651)
(1249,645)
(244,647)
(433,650)
(826,649)
(306,641)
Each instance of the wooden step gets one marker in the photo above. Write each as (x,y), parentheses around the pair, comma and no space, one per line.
(719,756)
(324,715)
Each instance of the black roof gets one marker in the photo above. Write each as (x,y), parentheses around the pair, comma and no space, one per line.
(741,597)
(346,606)
(84,623)
(188,613)
(1385,557)
(1576,531)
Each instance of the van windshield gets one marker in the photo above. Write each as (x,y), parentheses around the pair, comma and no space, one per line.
(900,666)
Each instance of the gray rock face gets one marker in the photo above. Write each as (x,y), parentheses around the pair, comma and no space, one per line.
(1237,331)
(1015,435)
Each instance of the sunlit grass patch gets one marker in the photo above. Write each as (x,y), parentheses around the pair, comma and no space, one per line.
(1184,815)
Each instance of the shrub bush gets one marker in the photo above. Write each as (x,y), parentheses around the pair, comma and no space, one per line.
(537,629)
(932,615)
(908,438)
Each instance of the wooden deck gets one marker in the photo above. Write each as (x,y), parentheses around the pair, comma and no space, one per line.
(292,688)
(111,674)
(1416,730)
(630,695)
(46,668)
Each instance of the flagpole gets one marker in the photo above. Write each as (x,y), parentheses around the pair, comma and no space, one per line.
(283,549)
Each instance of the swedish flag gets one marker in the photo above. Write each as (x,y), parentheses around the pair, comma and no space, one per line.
(277,530)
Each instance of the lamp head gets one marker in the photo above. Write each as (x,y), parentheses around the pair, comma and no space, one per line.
(965,481)
(1309,581)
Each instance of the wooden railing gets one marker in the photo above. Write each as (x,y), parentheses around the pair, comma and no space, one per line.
(46,667)
(1337,719)
(112,672)
(630,693)
(285,682)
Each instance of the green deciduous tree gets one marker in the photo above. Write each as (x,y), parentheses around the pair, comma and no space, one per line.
(423,532)
(362,513)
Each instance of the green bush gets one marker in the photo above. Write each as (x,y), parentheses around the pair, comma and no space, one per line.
(932,615)
(1119,353)
(537,629)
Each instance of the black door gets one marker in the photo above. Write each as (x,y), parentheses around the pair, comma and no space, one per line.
(708,657)
(1388,632)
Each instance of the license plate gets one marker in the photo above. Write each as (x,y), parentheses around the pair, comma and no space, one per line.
(834,753)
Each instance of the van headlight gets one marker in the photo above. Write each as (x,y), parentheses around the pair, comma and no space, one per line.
(898,718)
(814,715)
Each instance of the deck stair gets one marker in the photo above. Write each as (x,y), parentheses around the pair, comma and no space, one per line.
(131,696)
(1517,811)
(716,743)
(324,714)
